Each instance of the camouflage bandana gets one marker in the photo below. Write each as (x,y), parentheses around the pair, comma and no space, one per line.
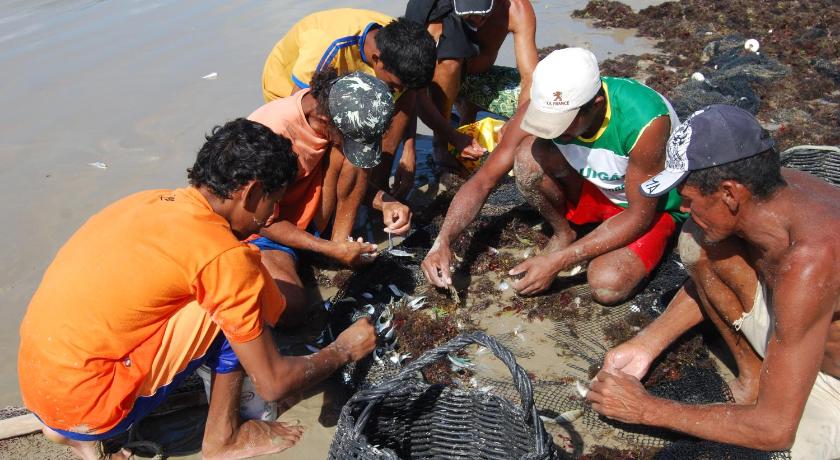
(361,106)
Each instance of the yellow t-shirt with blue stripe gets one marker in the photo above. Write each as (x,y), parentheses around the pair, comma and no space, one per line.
(326,38)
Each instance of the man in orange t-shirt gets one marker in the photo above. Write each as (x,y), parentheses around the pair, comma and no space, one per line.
(153,286)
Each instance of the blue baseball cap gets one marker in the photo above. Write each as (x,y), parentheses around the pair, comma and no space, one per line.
(712,136)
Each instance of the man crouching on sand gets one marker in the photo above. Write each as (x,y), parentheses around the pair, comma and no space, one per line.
(763,254)
(158,283)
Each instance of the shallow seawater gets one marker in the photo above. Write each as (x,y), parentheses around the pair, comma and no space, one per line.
(119,84)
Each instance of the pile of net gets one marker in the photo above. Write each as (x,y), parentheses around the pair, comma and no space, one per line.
(726,77)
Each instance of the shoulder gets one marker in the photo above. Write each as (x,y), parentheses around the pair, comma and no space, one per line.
(628,95)
(809,264)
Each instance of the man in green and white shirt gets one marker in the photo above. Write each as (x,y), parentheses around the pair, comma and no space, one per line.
(597,139)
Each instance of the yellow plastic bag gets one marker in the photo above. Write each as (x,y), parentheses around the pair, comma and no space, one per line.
(486,132)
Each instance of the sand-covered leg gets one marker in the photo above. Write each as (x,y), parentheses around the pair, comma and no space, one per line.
(541,173)
(226,437)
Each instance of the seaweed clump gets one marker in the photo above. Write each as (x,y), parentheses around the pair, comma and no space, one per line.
(800,107)
(689,351)
(626,327)
(422,330)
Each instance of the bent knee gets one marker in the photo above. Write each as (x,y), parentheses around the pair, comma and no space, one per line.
(611,286)
(526,169)
(688,245)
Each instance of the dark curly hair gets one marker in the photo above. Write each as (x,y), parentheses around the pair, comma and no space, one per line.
(408,51)
(761,174)
(239,152)
(319,88)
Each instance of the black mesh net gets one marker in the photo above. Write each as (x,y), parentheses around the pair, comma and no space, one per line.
(727,76)
(582,333)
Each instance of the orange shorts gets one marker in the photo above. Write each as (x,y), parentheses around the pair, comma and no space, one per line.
(594,207)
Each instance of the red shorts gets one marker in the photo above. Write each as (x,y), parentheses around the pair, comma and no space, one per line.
(594,207)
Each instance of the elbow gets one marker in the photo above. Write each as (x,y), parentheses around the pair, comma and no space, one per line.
(776,435)
(779,438)
(271,391)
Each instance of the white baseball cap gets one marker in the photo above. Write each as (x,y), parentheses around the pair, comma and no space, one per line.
(563,81)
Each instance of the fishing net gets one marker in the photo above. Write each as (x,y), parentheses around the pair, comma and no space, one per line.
(405,417)
(728,73)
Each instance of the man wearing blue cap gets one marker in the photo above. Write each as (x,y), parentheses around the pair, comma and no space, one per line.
(762,252)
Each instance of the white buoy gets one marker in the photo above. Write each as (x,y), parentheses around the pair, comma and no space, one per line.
(697,76)
(751,45)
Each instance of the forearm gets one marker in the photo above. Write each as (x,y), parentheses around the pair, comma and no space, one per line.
(431,116)
(463,209)
(524,92)
(742,425)
(288,234)
(614,233)
(682,314)
(297,373)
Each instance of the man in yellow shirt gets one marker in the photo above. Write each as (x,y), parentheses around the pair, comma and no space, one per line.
(399,52)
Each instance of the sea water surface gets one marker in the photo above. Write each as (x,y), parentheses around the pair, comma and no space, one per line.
(103,98)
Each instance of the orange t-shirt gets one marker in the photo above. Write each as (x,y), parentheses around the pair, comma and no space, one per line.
(97,320)
(303,197)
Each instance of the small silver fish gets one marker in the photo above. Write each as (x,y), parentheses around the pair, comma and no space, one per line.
(566,417)
(400,253)
(417,303)
(395,290)
(582,389)
(460,362)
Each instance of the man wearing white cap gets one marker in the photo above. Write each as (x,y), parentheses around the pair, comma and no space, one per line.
(597,139)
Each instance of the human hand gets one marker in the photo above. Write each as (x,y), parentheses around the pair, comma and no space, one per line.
(539,274)
(404,176)
(352,253)
(396,217)
(358,340)
(436,265)
(619,396)
(631,358)
(468,147)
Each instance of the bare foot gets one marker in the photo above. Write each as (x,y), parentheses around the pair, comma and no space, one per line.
(558,242)
(744,390)
(255,437)
(86,450)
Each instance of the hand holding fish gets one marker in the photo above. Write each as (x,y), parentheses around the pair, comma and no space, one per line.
(619,396)
(353,253)
(436,265)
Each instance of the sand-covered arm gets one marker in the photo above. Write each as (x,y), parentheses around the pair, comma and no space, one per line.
(468,202)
